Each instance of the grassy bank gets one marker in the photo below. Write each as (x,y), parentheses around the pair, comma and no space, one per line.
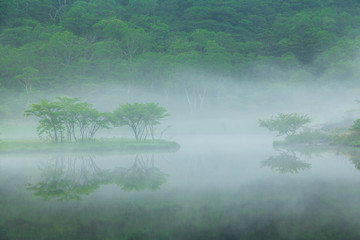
(113,144)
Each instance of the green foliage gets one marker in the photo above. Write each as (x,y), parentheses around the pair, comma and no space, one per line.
(82,118)
(307,137)
(28,78)
(356,126)
(285,124)
(50,119)
(349,137)
(68,119)
(80,39)
(142,118)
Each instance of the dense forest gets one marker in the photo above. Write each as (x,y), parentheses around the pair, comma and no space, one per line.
(46,44)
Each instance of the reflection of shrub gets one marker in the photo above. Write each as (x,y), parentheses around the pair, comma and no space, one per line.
(286,163)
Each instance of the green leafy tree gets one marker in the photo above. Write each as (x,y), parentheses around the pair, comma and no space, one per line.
(140,117)
(28,78)
(81,120)
(285,124)
(109,29)
(50,118)
(65,47)
(142,6)
(153,115)
(68,119)
(89,121)
(135,41)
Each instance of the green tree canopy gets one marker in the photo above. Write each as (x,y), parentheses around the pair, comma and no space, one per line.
(140,117)
(50,118)
(285,124)
(68,119)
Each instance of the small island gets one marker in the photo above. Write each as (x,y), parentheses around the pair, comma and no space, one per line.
(66,124)
(292,126)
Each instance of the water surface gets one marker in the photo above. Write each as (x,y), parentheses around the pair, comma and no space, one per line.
(214,187)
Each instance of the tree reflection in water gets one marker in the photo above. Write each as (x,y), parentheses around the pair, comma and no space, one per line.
(286,162)
(353,154)
(140,176)
(66,178)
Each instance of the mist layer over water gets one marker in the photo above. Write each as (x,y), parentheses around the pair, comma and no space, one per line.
(214,187)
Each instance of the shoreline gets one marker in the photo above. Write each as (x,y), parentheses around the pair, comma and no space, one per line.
(124,145)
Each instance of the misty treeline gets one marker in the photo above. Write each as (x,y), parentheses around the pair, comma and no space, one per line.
(148,42)
(67,119)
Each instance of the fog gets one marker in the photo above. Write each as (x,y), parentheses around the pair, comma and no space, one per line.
(203,103)
(227,180)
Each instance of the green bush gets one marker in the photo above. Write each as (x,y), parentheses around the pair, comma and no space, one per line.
(307,136)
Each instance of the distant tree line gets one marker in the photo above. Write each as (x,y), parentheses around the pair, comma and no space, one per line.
(69,120)
(46,43)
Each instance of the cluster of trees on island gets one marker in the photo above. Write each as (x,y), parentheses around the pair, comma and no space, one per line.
(67,119)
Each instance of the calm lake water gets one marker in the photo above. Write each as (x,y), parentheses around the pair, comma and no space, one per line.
(214,187)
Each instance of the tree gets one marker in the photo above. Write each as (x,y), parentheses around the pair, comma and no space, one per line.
(79,18)
(285,124)
(50,115)
(65,47)
(89,121)
(57,9)
(81,120)
(135,41)
(109,29)
(140,117)
(28,78)
(153,115)
(68,117)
